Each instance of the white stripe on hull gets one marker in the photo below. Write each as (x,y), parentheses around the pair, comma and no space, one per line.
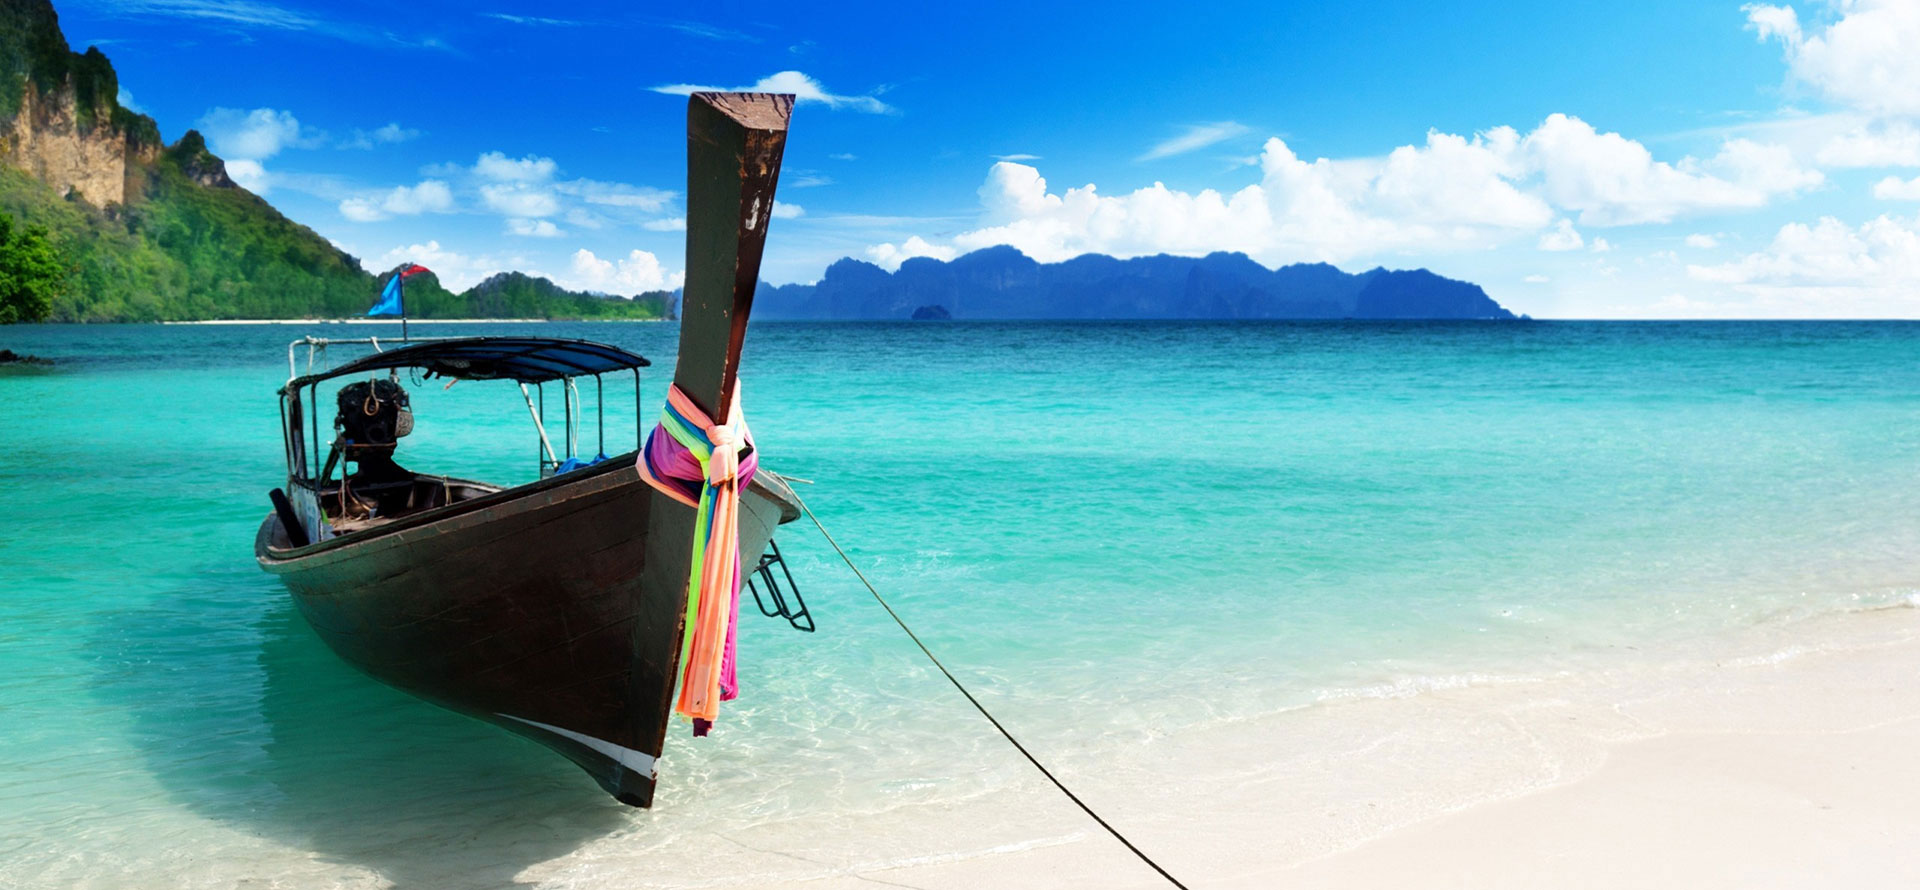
(627,757)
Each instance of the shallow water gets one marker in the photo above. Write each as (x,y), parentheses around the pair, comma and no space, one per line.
(1115,533)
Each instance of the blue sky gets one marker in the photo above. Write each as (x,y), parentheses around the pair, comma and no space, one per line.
(1620,160)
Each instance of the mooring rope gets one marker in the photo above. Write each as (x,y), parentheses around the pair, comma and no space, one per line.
(976,702)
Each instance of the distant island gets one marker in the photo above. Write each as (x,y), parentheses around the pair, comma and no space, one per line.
(1003,283)
(156,232)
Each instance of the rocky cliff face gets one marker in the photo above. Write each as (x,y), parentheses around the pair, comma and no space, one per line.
(60,116)
(48,140)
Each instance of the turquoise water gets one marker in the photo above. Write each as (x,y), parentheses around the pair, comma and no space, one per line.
(1115,532)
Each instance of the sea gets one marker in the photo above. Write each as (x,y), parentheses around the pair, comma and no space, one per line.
(1120,536)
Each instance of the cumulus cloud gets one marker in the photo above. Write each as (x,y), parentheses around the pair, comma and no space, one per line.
(616,194)
(1893,188)
(534,228)
(1196,136)
(890,257)
(1864,59)
(783,210)
(391,134)
(1452,192)
(1703,242)
(430,196)
(1562,237)
(519,199)
(495,166)
(456,271)
(250,175)
(1612,180)
(1829,267)
(1889,144)
(637,272)
(256,135)
(804,89)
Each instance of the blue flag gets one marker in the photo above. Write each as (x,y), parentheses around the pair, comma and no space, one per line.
(390,302)
(389,299)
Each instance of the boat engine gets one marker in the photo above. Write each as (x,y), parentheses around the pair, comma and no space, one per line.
(373,414)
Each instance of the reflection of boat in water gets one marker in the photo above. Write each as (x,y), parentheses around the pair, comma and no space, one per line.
(553,609)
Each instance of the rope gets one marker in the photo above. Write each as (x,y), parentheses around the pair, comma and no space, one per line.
(976,702)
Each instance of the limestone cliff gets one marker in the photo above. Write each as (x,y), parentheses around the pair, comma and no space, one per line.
(60,116)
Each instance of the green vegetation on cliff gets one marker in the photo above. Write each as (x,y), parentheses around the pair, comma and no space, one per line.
(187,243)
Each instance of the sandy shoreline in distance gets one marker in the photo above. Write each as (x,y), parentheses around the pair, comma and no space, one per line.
(1791,769)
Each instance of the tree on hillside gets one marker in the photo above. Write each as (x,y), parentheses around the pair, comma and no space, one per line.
(31,274)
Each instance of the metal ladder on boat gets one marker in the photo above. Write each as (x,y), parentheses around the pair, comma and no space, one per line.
(762,576)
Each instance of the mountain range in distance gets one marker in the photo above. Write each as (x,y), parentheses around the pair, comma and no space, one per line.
(1003,283)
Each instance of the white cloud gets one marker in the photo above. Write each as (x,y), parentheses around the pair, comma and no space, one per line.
(637,272)
(236,12)
(1562,237)
(1600,245)
(517,199)
(1453,192)
(671,224)
(1703,242)
(803,88)
(1536,279)
(456,271)
(533,20)
(1864,59)
(126,101)
(497,167)
(361,210)
(534,228)
(254,135)
(1612,180)
(391,134)
(1832,268)
(430,196)
(838,156)
(1893,188)
(1197,136)
(1018,156)
(1890,144)
(616,194)
(783,210)
(250,175)
(890,257)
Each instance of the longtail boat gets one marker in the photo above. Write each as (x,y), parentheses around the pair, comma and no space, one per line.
(557,609)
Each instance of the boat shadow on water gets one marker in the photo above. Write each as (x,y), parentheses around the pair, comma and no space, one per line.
(246,718)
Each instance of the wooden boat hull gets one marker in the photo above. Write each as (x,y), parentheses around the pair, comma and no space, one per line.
(526,608)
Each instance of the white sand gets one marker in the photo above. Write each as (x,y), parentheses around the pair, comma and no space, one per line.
(1795,769)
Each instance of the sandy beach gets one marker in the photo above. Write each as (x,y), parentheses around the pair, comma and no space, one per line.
(1793,768)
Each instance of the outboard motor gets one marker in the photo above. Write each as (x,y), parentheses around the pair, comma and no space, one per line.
(374,415)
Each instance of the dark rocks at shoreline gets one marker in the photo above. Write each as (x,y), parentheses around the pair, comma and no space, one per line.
(9,357)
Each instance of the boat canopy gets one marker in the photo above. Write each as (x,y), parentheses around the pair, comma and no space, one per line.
(522,359)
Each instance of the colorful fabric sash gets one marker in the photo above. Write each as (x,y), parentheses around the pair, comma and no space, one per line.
(697,462)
